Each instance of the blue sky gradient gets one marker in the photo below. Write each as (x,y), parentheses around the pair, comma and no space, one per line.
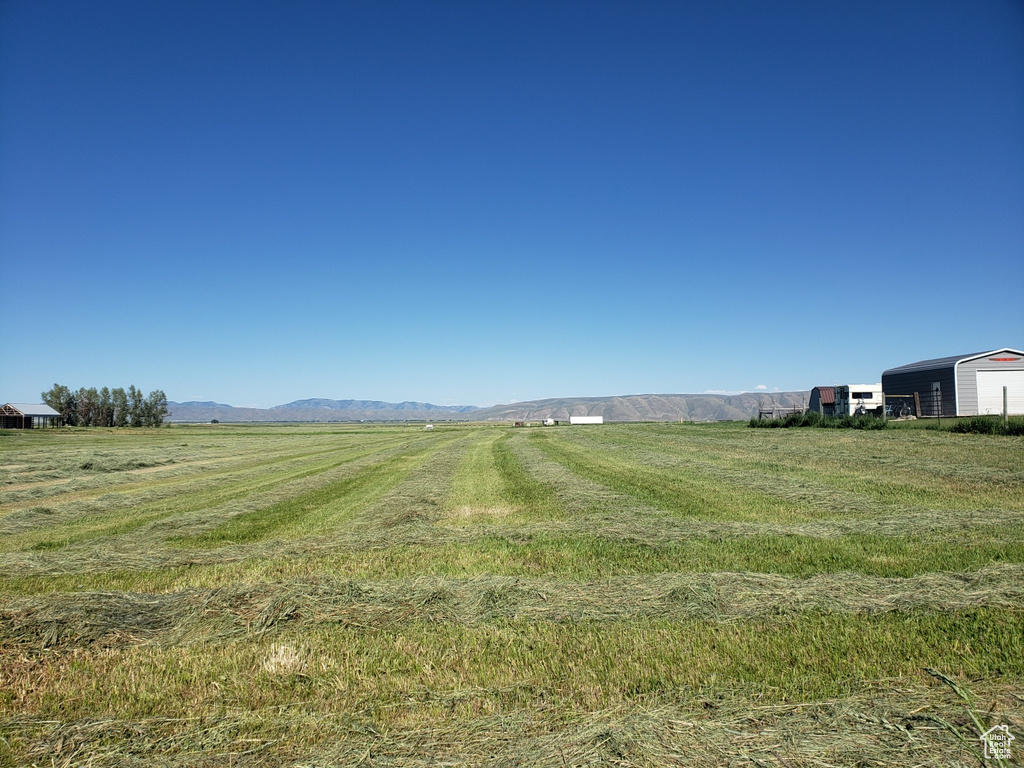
(477,202)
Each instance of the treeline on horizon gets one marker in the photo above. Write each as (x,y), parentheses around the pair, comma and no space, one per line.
(107,407)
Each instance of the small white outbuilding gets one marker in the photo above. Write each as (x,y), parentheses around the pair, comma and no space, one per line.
(586,419)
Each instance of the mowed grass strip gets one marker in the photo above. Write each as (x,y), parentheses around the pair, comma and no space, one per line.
(682,490)
(476,488)
(587,557)
(185,496)
(199,469)
(336,500)
(921,469)
(531,498)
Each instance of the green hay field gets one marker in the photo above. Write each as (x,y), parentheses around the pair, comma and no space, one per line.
(622,595)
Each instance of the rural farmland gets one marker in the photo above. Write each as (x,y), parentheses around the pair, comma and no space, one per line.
(616,595)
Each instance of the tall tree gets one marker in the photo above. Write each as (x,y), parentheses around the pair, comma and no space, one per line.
(155,408)
(119,400)
(88,406)
(136,406)
(106,409)
(61,399)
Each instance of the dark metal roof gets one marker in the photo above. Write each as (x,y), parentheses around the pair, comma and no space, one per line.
(827,395)
(944,362)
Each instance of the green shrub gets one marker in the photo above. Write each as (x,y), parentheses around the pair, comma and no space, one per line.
(814,419)
(988,425)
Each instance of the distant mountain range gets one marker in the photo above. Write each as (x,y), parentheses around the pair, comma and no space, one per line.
(322,404)
(646,407)
(320,409)
(701,407)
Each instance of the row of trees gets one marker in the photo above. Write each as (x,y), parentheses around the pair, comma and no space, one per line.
(108,407)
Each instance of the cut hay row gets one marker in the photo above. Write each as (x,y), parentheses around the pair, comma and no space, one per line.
(84,618)
(915,724)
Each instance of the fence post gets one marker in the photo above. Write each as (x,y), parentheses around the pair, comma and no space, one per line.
(1005,408)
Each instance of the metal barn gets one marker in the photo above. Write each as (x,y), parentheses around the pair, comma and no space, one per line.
(28,416)
(823,401)
(962,385)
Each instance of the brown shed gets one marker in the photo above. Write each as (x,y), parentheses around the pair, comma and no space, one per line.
(823,401)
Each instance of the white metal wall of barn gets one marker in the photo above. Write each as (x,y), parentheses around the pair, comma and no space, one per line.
(980,381)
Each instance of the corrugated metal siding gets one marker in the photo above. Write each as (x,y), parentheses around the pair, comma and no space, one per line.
(920,381)
(966,390)
(967,376)
(960,394)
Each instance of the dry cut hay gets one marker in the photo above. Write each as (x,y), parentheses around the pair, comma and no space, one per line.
(907,722)
(117,619)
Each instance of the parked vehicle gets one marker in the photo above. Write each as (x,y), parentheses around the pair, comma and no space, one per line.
(859,400)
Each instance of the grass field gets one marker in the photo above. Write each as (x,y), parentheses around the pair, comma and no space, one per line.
(622,595)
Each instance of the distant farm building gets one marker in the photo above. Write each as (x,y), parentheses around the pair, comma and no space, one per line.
(586,419)
(963,385)
(823,401)
(28,416)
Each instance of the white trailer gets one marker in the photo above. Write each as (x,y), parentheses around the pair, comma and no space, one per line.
(586,419)
(852,399)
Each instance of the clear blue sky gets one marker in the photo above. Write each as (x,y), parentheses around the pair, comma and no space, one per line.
(480,202)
